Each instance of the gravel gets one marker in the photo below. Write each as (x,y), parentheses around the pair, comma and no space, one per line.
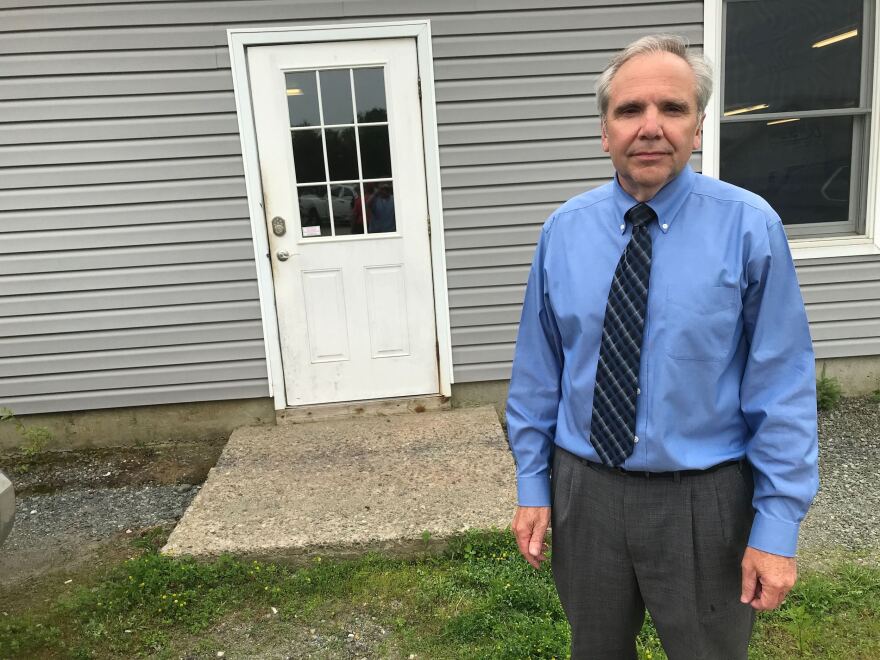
(94,514)
(71,526)
(846,512)
(844,516)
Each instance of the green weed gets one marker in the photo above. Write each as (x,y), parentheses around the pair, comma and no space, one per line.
(36,438)
(828,391)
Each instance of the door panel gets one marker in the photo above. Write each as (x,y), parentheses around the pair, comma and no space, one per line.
(341,159)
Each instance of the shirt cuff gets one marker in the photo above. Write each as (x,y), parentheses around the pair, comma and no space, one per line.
(533,491)
(777,537)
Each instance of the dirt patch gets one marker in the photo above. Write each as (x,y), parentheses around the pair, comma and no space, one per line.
(58,568)
(111,467)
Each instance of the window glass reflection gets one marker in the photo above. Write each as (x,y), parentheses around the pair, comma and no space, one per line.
(302,98)
(336,96)
(314,211)
(379,207)
(773,59)
(334,198)
(375,152)
(308,155)
(802,168)
(341,154)
(344,197)
(369,91)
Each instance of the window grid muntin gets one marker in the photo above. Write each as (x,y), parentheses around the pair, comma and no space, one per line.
(861,123)
(357,146)
(322,127)
(326,164)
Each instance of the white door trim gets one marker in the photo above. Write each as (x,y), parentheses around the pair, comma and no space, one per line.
(239,40)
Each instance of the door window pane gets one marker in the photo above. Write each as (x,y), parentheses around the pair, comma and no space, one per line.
(375,152)
(793,55)
(336,96)
(308,155)
(380,207)
(302,98)
(369,91)
(344,203)
(314,211)
(802,167)
(344,198)
(341,154)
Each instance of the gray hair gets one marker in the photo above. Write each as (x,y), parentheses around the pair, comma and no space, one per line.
(657,43)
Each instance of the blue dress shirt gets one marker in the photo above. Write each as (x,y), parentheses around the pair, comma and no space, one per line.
(727,367)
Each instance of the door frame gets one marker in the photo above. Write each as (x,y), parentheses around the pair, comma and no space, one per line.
(240,39)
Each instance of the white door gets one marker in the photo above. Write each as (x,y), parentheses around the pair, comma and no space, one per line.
(339,136)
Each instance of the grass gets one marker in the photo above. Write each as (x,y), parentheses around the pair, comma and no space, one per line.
(478,600)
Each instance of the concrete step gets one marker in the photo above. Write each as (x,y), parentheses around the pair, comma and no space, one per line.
(342,487)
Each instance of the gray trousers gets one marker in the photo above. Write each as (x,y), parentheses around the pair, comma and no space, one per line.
(622,543)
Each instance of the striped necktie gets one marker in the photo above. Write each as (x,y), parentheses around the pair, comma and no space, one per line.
(612,429)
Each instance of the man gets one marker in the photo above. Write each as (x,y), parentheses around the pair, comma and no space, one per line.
(663,387)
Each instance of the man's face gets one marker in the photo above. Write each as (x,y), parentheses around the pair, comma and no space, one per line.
(652,126)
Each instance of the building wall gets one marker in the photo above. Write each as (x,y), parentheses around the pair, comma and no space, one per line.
(126,263)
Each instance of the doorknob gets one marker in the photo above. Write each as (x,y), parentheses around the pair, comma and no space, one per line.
(283,255)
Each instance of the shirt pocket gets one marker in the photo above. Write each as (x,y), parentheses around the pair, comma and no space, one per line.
(701,321)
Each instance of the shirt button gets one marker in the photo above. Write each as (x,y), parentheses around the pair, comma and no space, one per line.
(622,227)
(665,226)
(638,390)
(636,439)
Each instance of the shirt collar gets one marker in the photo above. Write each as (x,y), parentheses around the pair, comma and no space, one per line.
(666,203)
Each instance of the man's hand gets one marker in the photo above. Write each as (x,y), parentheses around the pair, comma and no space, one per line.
(766,578)
(529,526)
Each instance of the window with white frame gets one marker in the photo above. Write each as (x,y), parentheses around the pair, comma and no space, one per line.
(795,87)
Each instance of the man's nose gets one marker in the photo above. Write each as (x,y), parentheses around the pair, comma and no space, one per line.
(651,127)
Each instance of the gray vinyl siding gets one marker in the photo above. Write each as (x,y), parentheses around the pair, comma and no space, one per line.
(126,260)
(127,273)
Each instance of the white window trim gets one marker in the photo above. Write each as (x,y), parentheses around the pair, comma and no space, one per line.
(239,40)
(802,248)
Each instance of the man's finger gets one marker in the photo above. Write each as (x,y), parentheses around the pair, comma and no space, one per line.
(536,543)
(523,536)
(773,596)
(749,584)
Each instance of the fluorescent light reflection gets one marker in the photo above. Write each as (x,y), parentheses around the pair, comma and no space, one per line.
(296,91)
(751,108)
(833,40)
(782,121)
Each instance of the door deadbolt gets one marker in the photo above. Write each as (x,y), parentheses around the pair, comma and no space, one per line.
(283,255)
(278,226)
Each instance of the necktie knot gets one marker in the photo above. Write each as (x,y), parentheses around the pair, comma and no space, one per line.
(640,214)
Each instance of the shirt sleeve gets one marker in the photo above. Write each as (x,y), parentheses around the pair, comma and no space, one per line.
(533,397)
(778,397)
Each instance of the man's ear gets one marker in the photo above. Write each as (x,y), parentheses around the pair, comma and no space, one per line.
(604,135)
(698,136)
